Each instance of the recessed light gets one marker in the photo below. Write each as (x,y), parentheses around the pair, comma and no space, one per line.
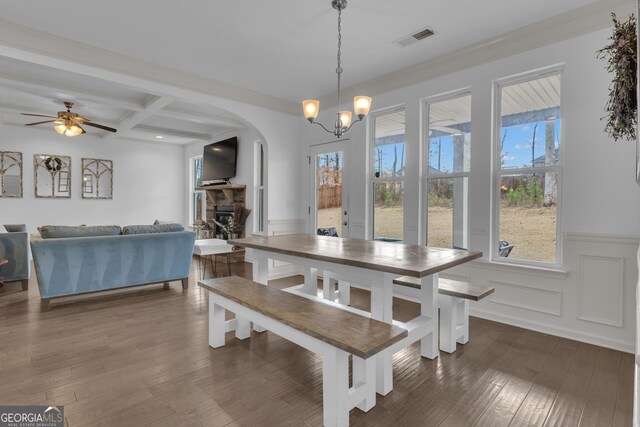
(159,136)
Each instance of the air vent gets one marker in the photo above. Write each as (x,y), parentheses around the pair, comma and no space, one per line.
(415,37)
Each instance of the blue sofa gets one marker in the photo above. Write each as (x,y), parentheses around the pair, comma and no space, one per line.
(15,248)
(80,265)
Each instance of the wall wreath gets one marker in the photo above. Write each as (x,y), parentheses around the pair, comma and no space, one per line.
(53,164)
(622,61)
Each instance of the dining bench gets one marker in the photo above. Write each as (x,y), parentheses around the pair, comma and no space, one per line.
(453,299)
(329,331)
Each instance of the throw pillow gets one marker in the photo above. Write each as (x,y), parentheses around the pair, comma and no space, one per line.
(15,228)
(159,221)
(156,228)
(63,231)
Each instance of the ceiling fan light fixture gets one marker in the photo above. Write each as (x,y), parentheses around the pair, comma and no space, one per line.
(61,128)
(68,128)
(73,130)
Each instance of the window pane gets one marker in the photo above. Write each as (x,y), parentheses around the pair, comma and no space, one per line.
(449,135)
(388,210)
(329,167)
(197,172)
(447,212)
(261,165)
(530,123)
(389,148)
(197,201)
(528,216)
(261,210)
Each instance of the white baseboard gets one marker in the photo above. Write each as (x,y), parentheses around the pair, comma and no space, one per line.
(627,347)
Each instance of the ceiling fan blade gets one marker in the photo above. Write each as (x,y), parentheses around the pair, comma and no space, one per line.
(40,123)
(38,115)
(95,125)
(81,119)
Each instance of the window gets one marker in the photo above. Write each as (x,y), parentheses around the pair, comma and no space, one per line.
(197,205)
(259,189)
(448,154)
(388,175)
(528,168)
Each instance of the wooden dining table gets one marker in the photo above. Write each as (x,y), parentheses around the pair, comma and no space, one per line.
(371,263)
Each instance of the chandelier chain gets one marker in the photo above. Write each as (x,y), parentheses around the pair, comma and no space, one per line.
(339,69)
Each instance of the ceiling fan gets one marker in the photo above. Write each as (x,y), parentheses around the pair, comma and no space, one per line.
(68,123)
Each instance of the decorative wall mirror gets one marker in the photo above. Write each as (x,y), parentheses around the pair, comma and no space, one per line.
(52,175)
(10,174)
(97,179)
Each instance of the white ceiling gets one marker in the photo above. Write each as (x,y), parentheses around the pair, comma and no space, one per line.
(285,49)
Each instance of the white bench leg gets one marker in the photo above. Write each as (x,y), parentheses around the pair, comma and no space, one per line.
(463,320)
(216,323)
(260,268)
(384,373)
(429,308)
(328,286)
(335,388)
(310,281)
(344,292)
(364,374)
(448,323)
(243,328)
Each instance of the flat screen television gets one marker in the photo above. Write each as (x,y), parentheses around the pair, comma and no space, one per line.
(219,161)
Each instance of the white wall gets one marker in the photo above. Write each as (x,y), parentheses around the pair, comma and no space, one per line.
(600,199)
(148,181)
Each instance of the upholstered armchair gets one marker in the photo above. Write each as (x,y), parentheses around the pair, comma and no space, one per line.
(15,248)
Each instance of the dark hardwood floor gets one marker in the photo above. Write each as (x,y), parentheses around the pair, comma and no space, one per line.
(140,357)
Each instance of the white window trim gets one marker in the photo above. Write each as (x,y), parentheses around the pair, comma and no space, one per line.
(497,170)
(424,163)
(256,190)
(370,169)
(193,191)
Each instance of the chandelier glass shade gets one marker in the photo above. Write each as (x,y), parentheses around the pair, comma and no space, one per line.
(361,104)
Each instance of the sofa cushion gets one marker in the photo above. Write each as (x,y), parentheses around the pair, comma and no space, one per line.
(15,228)
(63,231)
(156,228)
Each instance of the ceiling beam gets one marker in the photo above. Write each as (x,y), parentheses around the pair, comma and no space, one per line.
(173,132)
(197,117)
(82,94)
(135,118)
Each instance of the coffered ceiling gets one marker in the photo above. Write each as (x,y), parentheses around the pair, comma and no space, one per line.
(29,88)
(276,53)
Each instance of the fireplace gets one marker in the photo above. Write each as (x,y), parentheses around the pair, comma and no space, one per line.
(223,214)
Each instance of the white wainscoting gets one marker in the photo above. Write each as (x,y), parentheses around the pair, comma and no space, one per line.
(592,300)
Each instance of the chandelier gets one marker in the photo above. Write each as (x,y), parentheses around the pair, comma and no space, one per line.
(361,104)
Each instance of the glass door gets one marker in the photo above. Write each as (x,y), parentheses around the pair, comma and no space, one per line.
(328,207)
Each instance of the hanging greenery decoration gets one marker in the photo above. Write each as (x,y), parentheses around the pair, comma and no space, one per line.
(622,59)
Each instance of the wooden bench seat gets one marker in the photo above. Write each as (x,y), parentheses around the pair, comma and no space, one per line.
(329,331)
(453,299)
